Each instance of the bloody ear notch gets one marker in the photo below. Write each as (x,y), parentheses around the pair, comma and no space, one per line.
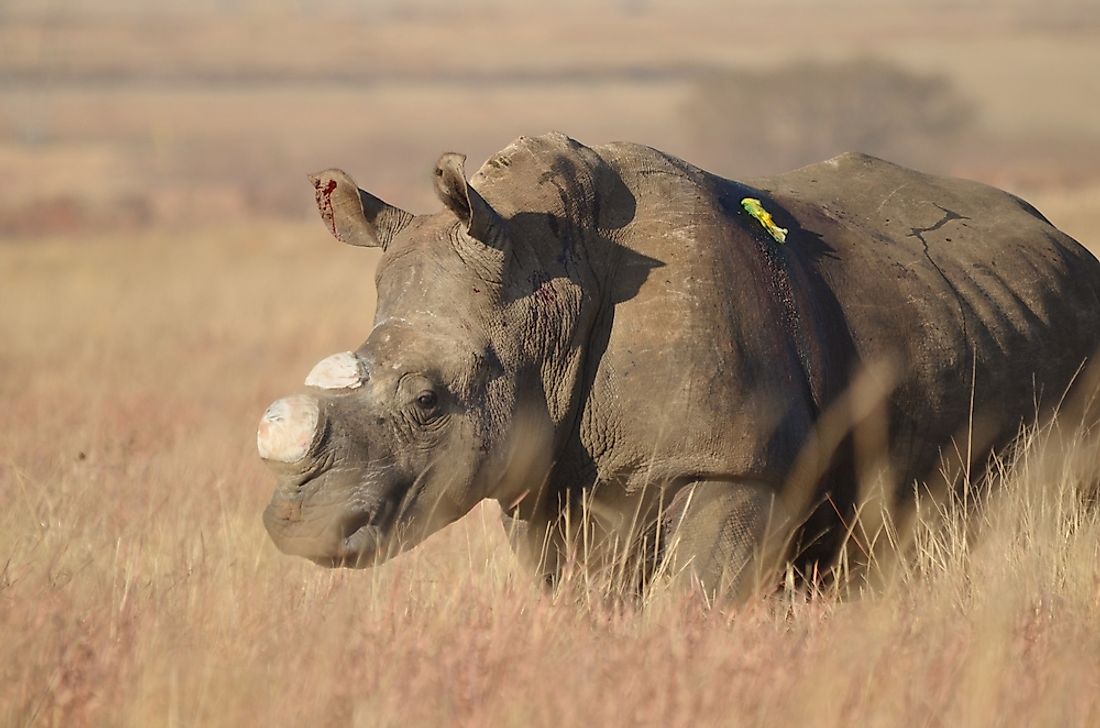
(481,220)
(353,216)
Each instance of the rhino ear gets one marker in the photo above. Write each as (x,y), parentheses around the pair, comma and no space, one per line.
(481,220)
(353,216)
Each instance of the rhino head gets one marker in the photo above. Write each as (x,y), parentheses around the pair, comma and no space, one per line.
(396,439)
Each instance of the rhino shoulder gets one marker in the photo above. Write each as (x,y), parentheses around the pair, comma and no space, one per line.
(528,154)
(533,173)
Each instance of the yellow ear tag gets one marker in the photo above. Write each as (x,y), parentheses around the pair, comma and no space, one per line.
(754,208)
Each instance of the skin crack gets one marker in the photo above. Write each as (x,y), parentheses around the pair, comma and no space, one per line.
(918,233)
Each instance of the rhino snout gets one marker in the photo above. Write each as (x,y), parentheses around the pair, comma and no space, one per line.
(328,533)
(288,430)
(317,510)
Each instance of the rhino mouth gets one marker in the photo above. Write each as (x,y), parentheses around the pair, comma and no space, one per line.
(312,518)
(334,534)
(370,537)
(357,550)
(358,544)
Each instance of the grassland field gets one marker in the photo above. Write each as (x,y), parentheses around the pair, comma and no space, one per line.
(161,282)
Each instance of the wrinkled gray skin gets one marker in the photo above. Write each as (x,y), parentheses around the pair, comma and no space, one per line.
(606,330)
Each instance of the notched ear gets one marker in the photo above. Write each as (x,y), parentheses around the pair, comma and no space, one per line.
(481,220)
(353,216)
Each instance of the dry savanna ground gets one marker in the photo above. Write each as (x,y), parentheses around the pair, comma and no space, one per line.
(137,586)
(160,285)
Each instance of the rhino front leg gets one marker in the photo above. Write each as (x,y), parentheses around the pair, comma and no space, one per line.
(719,535)
(535,547)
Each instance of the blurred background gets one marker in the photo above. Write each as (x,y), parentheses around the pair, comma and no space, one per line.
(164,276)
(126,114)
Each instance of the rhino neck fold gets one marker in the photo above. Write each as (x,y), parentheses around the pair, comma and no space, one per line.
(566,208)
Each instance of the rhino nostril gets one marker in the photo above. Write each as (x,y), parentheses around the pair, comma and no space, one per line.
(288,428)
(290,511)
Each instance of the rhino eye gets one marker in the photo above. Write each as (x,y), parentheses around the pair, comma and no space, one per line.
(427,400)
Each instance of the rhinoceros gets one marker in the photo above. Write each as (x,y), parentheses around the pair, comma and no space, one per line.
(613,333)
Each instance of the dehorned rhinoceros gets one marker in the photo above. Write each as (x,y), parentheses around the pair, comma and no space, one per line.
(612,331)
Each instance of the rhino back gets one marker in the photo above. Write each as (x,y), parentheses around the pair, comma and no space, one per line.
(987,309)
(967,287)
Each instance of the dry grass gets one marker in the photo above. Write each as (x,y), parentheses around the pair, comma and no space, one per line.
(137,586)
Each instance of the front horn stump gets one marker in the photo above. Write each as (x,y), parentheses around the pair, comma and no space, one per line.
(288,429)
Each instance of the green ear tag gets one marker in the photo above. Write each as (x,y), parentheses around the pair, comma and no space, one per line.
(754,208)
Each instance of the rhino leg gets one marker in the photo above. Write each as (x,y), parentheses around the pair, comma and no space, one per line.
(535,548)
(617,559)
(716,534)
